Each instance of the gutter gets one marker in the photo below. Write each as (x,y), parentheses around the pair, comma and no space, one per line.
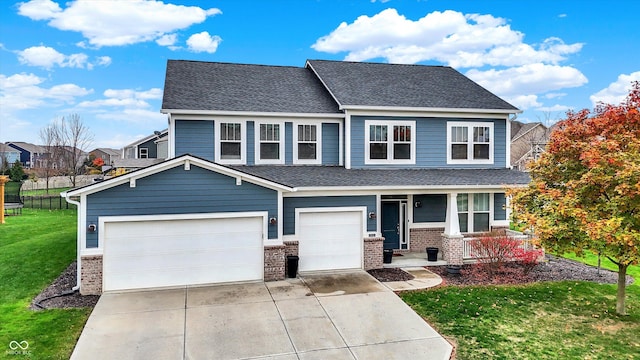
(77,204)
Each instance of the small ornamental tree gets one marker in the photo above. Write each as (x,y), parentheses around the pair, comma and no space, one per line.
(584,192)
(98,162)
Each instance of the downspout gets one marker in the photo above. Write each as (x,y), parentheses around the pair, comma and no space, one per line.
(77,204)
(508,147)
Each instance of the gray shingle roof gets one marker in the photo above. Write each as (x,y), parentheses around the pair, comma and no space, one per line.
(377,84)
(334,176)
(195,85)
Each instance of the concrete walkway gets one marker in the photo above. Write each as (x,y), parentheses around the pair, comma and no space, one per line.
(423,279)
(318,316)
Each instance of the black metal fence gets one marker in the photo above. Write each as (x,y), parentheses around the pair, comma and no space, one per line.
(51,202)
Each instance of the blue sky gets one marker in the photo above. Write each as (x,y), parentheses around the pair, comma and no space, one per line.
(105,60)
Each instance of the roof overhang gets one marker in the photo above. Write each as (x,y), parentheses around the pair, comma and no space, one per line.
(429,109)
(186,161)
(174,112)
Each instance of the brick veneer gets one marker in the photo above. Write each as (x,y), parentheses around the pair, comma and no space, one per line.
(274,260)
(373,252)
(91,275)
(452,249)
(291,248)
(421,239)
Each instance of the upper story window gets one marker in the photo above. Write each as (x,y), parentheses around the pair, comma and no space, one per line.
(390,142)
(469,143)
(269,143)
(307,146)
(143,153)
(230,143)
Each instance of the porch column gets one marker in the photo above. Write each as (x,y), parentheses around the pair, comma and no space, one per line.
(452,225)
(452,239)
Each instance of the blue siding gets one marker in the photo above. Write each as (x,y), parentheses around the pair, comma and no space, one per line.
(434,208)
(290,205)
(288,143)
(330,144)
(251,141)
(195,137)
(176,191)
(151,146)
(499,206)
(431,145)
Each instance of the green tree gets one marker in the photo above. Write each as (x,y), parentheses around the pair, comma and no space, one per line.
(584,193)
(16,172)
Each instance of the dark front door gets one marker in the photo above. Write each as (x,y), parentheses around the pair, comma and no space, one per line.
(391,224)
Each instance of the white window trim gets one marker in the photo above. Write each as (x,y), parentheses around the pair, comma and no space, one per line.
(389,160)
(146,155)
(318,159)
(243,142)
(470,126)
(256,131)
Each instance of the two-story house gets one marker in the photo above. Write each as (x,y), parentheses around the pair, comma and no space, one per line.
(31,156)
(332,162)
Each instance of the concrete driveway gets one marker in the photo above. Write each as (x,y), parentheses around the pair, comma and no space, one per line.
(347,315)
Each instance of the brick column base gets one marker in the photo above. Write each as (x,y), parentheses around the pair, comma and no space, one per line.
(291,248)
(452,251)
(373,247)
(274,260)
(91,275)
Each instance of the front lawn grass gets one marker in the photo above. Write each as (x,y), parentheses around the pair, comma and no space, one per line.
(549,320)
(34,249)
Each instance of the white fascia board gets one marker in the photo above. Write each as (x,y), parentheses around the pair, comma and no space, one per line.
(251,114)
(415,110)
(400,190)
(169,164)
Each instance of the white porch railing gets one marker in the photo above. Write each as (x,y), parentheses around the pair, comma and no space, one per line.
(525,243)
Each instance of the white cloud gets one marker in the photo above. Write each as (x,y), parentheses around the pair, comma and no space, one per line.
(523,102)
(167,40)
(203,42)
(39,9)
(109,23)
(553,95)
(450,37)
(127,98)
(48,57)
(25,91)
(617,91)
(554,108)
(528,79)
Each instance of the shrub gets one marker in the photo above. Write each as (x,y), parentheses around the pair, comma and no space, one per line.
(529,259)
(492,251)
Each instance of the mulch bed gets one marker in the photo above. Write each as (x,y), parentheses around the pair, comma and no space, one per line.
(390,274)
(552,269)
(53,296)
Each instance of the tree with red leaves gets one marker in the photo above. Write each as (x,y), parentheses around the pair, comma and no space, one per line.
(585,189)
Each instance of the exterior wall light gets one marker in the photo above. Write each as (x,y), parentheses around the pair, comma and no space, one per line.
(372,215)
(418,204)
(273,221)
(91,228)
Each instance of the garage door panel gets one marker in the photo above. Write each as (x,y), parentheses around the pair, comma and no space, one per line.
(330,240)
(160,253)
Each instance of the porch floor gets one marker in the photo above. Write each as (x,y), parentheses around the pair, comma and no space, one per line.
(412,259)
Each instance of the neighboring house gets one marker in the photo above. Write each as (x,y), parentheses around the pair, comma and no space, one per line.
(150,147)
(332,162)
(8,155)
(31,156)
(528,141)
(106,154)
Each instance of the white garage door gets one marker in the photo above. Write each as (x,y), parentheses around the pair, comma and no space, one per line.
(160,253)
(330,240)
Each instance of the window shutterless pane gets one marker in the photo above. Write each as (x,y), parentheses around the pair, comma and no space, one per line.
(459,134)
(459,151)
(402,133)
(401,151)
(378,150)
(463,221)
(481,134)
(230,131)
(463,202)
(306,151)
(269,132)
(230,150)
(481,202)
(378,133)
(269,151)
(480,222)
(480,151)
